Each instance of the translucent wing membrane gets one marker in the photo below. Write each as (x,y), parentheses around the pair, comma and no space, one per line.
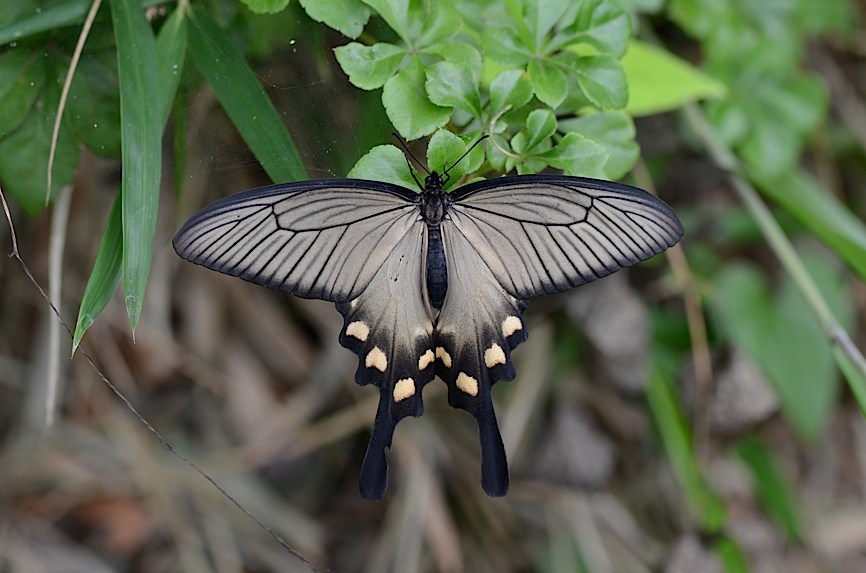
(544,234)
(315,239)
(390,327)
(477,328)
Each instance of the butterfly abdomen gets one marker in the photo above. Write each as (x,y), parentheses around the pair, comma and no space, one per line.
(437,269)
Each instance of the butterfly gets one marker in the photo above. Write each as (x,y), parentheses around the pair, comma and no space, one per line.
(432,283)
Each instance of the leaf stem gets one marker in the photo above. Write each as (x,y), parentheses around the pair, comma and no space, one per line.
(780,244)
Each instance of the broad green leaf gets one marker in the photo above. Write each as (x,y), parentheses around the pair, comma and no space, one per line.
(540,125)
(266,6)
(241,95)
(141,140)
(384,163)
(93,106)
(822,213)
(502,45)
(346,16)
(577,155)
(24,154)
(454,85)
(460,54)
(785,340)
(548,82)
(441,22)
(170,55)
(509,88)
(772,488)
(443,151)
(614,131)
(601,79)
(369,67)
(104,276)
(540,16)
(599,23)
(22,79)
(28,18)
(659,81)
(410,110)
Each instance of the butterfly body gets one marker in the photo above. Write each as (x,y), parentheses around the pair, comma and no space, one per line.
(430,284)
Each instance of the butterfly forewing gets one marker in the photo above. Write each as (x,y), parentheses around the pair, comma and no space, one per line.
(315,239)
(544,234)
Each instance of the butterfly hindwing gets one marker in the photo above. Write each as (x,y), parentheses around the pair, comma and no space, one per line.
(478,327)
(543,234)
(314,239)
(390,328)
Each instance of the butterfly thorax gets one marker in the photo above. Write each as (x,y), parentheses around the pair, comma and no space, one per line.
(434,205)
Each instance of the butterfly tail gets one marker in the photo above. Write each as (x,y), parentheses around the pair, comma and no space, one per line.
(494,464)
(373,480)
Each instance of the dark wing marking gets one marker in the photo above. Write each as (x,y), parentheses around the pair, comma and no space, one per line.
(477,328)
(543,234)
(390,328)
(316,239)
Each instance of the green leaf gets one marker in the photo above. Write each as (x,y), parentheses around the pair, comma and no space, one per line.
(241,95)
(408,107)
(458,53)
(22,78)
(170,55)
(384,163)
(443,151)
(577,155)
(265,6)
(509,88)
(615,132)
(503,45)
(659,81)
(454,85)
(441,22)
(141,140)
(369,67)
(346,16)
(822,213)
(548,82)
(24,154)
(104,276)
(93,106)
(668,417)
(602,80)
(773,490)
(599,23)
(396,14)
(540,125)
(540,17)
(784,339)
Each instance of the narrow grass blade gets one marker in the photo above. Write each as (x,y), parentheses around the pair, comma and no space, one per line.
(141,146)
(170,55)
(104,276)
(241,95)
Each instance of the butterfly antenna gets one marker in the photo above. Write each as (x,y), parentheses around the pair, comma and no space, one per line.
(468,151)
(409,163)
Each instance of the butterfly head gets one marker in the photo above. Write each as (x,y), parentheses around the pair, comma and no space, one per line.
(435,183)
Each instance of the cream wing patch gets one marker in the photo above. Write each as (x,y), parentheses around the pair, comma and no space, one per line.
(404,388)
(511,325)
(494,355)
(443,355)
(358,329)
(467,384)
(426,359)
(376,359)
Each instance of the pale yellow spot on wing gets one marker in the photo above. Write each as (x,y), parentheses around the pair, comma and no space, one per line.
(443,355)
(376,359)
(425,360)
(511,325)
(358,329)
(467,383)
(403,389)
(494,355)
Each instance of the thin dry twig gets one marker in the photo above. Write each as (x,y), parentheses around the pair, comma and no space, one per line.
(57,243)
(701,359)
(15,254)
